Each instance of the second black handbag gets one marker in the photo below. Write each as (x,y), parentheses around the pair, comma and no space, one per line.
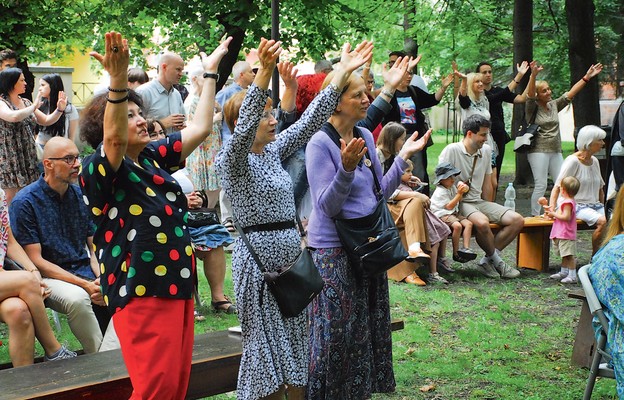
(527,132)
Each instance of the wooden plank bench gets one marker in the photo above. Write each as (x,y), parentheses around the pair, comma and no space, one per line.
(533,242)
(103,376)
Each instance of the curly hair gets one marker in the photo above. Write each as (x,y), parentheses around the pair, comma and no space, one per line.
(92,117)
(309,87)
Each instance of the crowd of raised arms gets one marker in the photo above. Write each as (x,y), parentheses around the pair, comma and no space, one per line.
(112,241)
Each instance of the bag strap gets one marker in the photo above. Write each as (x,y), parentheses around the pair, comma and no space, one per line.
(532,120)
(243,236)
(249,247)
(474,164)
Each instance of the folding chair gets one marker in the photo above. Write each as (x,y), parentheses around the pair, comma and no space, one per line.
(600,365)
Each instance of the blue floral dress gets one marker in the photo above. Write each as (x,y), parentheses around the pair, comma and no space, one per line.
(607,276)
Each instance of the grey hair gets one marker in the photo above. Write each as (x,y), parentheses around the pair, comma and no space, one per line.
(587,134)
(239,68)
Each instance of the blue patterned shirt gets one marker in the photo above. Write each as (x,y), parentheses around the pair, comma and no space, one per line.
(61,225)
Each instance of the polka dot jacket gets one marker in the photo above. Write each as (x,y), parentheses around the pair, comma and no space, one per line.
(142,242)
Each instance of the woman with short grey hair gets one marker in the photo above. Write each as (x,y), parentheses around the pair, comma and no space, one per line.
(585,167)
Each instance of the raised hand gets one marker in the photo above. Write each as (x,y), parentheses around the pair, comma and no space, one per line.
(456,71)
(394,76)
(62,101)
(211,62)
(116,55)
(352,153)
(536,68)
(268,53)
(523,68)
(414,144)
(594,70)
(288,72)
(447,80)
(413,62)
(350,60)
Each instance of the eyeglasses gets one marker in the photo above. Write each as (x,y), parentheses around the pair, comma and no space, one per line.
(70,160)
(270,113)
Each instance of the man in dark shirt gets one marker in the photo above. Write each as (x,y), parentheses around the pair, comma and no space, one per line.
(496,96)
(50,220)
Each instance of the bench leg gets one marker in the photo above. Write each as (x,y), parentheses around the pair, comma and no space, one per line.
(533,248)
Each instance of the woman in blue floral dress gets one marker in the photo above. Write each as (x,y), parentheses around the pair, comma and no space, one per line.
(607,276)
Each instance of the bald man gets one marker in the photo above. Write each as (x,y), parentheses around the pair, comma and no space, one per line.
(50,220)
(161,100)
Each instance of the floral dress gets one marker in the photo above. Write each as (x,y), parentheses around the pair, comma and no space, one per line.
(275,349)
(4,227)
(200,163)
(18,155)
(607,276)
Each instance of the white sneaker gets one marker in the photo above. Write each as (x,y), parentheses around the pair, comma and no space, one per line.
(506,271)
(488,270)
(558,276)
(61,354)
(569,279)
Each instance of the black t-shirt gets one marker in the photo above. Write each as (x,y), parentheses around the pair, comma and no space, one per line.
(496,96)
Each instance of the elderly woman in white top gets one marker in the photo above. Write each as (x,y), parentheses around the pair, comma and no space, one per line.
(585,167)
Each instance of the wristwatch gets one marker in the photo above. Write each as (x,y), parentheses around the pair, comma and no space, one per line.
(211,76)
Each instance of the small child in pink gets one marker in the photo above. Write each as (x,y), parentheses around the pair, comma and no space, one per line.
(563,231)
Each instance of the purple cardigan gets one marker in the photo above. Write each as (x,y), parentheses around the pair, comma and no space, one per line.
(342,194)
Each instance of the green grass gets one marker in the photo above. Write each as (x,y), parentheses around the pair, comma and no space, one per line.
(475,338)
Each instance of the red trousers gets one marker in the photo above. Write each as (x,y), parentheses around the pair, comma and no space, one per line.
(156,337)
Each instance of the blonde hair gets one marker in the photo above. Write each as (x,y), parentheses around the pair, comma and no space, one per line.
(571,185)
(540,85)
(471,78)
(616,225)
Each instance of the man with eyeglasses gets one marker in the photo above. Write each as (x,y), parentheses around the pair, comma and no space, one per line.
(51,221)
(473,157)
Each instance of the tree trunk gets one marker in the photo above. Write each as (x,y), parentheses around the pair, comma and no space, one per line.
(410,44)
(582,54)
(523,51)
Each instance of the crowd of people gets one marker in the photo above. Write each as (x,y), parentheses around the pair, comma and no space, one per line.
(109,241)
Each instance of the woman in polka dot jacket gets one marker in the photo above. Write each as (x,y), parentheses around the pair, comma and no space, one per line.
(142,241)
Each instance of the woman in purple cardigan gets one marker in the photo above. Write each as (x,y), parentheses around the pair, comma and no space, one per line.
(350,342)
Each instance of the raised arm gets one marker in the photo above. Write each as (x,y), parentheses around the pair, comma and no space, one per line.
(535,69)
(10,115)
(522,70)
(49,119)
(115,62)
(198,129)
(593,70)
(288,73)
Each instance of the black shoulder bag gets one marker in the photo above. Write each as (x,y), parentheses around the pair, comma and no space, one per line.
(372,243)
(295,285)
(525,137)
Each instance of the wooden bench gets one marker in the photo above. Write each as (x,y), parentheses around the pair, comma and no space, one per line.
(533,242)
(103,376)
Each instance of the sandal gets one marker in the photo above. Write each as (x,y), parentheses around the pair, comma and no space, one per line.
(229,225)
(229,308)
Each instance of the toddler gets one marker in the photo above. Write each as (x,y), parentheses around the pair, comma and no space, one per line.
(563,231)
(445,205)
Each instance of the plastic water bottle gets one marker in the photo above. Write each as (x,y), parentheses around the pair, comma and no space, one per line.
(510,197)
